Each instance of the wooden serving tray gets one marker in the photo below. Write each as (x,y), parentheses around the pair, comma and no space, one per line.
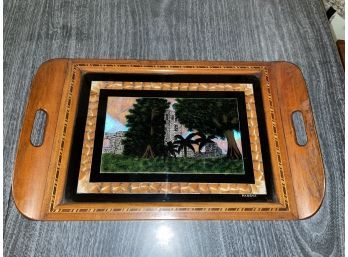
(94,164)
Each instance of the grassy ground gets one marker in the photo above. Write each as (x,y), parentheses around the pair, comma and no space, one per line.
(120,164)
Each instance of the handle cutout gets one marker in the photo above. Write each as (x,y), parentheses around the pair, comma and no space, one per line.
(39,127)
(300,129)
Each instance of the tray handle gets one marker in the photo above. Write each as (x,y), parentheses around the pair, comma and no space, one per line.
(305,159)
(32,161)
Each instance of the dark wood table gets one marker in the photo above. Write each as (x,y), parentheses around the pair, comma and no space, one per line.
(268,30)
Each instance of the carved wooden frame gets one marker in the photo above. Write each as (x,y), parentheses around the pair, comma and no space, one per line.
(85,186)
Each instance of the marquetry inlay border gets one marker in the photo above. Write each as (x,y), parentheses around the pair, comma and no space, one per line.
(56,206)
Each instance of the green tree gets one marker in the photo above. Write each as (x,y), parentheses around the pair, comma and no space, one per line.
(217,117)
(145,136)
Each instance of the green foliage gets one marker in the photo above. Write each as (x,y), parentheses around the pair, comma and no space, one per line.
(215,117)
(122,164)
(208,116)
(146,127)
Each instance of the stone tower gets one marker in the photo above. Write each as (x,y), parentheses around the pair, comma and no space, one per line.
(172,126)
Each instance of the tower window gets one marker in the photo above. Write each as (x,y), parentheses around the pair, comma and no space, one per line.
(176,127)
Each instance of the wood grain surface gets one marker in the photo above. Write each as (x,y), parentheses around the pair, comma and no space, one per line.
(296,31)
(40,174)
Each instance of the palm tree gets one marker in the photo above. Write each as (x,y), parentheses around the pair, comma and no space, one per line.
(185,143)
(203,140)
(171,149)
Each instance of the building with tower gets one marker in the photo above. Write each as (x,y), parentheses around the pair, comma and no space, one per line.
(172,128)
(113,142)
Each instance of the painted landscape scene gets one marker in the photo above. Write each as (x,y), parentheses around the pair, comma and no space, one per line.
(172,135)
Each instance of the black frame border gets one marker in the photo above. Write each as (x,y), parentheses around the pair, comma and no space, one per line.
(79,129)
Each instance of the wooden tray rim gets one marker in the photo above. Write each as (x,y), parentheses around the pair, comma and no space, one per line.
(286,208)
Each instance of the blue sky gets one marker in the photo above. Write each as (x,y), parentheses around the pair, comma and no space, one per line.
(113,125)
